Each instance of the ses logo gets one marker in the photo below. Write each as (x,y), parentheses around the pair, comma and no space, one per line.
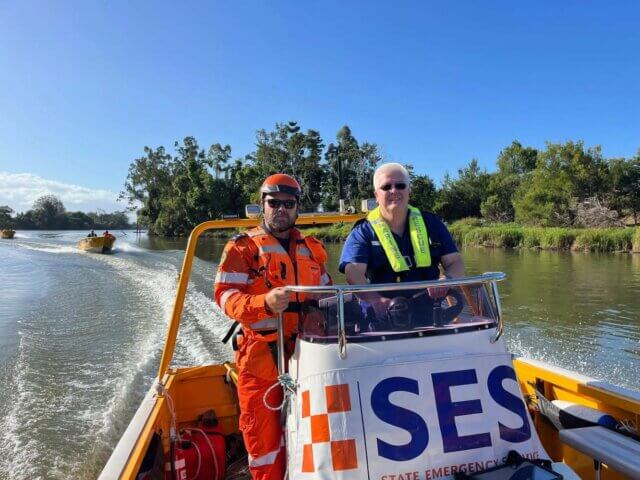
(448,412)
(363,419)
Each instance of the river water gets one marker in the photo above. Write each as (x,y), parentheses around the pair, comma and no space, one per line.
(81,334)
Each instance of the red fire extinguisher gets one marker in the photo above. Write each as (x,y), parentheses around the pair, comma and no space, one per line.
(176,468)
(200,453)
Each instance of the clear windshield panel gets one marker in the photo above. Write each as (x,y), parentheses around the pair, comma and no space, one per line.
(397,314)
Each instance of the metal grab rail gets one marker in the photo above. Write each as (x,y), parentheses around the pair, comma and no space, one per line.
(340,290)
(391,287)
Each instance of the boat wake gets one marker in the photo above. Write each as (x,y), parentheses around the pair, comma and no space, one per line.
(81,372)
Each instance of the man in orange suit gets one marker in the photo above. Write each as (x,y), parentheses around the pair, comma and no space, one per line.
(250,287)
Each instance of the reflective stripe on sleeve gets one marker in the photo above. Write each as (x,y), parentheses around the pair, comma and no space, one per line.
(225,296)
(304,252)
(232,277)
(325,279)
(267,323)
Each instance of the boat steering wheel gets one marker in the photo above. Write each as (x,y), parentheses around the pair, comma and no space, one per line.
(402,315)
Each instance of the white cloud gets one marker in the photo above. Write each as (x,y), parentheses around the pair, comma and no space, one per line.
(20,190)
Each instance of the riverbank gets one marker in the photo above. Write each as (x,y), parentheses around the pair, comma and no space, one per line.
(471,233)
(468,233)
(336,232)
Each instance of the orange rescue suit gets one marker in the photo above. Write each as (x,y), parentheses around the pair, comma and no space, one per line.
(252,264)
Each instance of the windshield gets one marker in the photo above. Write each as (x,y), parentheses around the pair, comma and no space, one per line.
(392,313)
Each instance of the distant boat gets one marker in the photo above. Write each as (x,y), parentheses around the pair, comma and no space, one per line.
(8,233)
(101,244)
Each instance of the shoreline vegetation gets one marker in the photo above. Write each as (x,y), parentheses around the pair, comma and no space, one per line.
(472,233)
(598,240)
(565,185)
(565,196)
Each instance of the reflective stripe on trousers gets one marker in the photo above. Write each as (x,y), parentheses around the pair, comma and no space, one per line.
(267,459)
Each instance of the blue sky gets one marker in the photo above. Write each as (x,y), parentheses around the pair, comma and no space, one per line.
(84,86)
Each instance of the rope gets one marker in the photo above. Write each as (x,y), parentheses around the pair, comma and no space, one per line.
(173,432)
(288,388)
(629,426)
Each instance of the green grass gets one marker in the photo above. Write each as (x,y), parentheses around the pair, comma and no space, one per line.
(635,242)
(604,240)
(471,232)
(329,233)
(468,232)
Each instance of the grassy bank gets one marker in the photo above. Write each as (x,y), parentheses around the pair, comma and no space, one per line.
(470,233)
(329,233)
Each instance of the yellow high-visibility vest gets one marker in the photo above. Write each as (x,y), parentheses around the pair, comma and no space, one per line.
(417,232)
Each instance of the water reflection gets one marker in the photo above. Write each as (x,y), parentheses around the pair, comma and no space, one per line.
(577,310)
(208,248)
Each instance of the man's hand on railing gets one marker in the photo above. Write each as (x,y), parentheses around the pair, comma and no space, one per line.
(277,300)
(437,292)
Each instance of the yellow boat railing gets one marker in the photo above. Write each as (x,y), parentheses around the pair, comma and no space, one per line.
(183,279)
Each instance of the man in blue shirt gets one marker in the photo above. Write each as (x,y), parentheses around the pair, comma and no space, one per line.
(382,248)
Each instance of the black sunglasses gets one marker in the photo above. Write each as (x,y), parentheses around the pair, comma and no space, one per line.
(389,186)
(275,203)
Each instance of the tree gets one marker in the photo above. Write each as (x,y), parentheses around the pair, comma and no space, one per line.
(517,160)
(288,150)
(545,200)
(565,175)
(625,182)
(5,217)
(48,211)
(514,164)
(190,197)
(585,171)
(357,164)
(79,221)
(218,157)
(423,192)
(148,181)
(462,197)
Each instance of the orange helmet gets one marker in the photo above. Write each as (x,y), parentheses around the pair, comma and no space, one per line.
(281,182)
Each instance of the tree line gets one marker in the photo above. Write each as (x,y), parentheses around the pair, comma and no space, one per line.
(176,192)
(49,213)
(565,184)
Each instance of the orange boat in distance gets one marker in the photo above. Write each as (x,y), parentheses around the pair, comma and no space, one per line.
(102,244)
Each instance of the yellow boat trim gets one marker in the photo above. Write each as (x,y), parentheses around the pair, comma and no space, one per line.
(183,278)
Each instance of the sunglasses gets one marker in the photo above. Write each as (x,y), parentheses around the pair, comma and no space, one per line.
(389,186)
(275,203)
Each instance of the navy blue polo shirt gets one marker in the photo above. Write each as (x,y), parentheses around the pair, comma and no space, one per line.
(363,246)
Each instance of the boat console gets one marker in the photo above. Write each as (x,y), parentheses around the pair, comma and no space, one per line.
(406,378)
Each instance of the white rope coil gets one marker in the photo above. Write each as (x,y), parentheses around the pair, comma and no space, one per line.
(288,388)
